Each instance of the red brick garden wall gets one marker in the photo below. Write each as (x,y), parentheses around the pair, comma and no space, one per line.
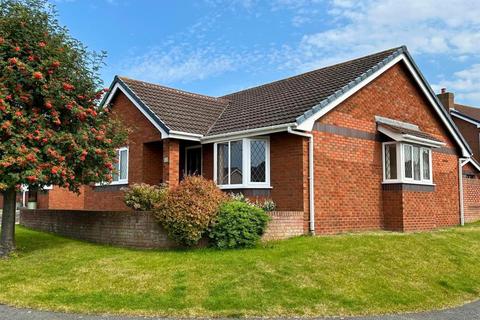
(133,229)
(120,228)
(348,162)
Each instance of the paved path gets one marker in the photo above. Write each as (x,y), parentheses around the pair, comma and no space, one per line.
(469,311)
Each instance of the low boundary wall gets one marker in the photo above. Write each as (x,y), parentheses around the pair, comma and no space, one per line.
(133,229)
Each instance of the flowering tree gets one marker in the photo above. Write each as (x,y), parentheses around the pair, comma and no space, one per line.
(51,129)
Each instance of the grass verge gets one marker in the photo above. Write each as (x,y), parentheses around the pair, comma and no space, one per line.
(370,273)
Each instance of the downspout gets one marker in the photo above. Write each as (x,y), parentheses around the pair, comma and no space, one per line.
(461,163)
(311,198)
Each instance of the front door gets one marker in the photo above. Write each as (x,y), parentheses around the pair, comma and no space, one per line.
(193,160)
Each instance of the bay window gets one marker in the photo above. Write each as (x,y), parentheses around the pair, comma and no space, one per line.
(242,163)
(406,163)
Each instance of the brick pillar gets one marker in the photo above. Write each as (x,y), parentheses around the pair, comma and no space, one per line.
(171,162)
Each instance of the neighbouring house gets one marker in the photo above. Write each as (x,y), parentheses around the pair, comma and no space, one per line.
(50,197)
(467,119)
(360,145)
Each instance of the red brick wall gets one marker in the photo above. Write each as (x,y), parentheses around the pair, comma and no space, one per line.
(171,167)
(61,198)
(141,132)
(288,162)
(348,170)
(284,224)
(471,193)
(152,171)
(121,228)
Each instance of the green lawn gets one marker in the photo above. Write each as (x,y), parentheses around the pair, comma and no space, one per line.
(335,275)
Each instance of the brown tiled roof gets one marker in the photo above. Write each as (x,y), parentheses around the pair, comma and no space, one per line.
(275,103)
(283,101)
(415,133)
(472,112)
(178,110)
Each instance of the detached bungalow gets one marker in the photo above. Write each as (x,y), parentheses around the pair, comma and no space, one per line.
(360,145)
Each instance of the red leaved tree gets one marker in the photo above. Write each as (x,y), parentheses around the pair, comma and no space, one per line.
(52,130)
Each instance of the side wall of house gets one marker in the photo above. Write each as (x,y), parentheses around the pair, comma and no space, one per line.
(145,157)
(61,198)
(349,194)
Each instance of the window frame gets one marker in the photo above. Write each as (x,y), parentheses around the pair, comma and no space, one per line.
(121,181)
(246,163)
(400,157)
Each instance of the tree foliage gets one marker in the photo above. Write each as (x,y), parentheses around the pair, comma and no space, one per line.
(51,128)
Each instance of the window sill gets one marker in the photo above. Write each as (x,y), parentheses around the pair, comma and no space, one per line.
(243,186)
(409,182)
(119,183)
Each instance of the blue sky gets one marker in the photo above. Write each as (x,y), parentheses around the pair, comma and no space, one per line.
(215,47)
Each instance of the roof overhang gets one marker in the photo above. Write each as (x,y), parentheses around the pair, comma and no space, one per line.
(409,138)
(308,119)
(246,133)
(464,117)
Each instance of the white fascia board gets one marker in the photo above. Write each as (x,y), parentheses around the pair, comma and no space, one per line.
(308,124)
(459,116)
(246,133)
(183,136)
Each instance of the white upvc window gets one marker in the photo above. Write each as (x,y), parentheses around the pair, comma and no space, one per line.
(120,176)
(242,163)
(406,163)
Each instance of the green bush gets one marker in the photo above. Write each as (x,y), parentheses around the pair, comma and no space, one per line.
(189,209)
(238,225)
(144,197)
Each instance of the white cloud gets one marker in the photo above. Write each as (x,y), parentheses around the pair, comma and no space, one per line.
(426,27)
(177,64)
(465,83)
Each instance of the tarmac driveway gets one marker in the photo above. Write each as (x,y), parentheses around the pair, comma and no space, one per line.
(469,311)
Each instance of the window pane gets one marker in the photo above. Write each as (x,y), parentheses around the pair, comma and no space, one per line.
(258,154)
(116,170)
(236,165)
(123,164)
(426,164)
(390,161)
(416,163)
(222,163)
(407,153)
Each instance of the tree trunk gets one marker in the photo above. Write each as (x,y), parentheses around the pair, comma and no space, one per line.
(7,237)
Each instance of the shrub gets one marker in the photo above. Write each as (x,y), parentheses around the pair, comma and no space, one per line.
(238,225)
(265,204)
(143,196)
(189,209)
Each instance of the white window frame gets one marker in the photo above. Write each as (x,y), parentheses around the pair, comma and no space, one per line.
(121,181)
(246,162)
(401,178)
